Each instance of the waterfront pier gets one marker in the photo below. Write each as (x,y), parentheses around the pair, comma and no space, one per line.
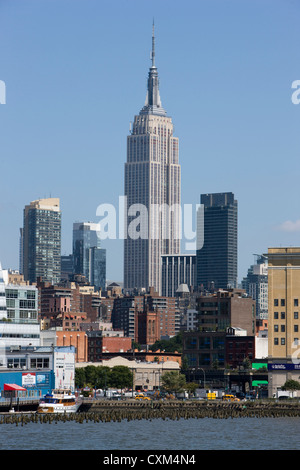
(116,411)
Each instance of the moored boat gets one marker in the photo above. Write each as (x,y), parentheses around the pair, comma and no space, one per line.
(59,401)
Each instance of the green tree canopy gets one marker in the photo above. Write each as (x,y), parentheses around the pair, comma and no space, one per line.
(103,377)
(169,345)
(191,387)
(291,385)
(80,380)
(247,363)
(121,377)
(91,375)
(173,381)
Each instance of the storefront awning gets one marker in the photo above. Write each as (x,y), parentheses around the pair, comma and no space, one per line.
(14,387)
(257,383)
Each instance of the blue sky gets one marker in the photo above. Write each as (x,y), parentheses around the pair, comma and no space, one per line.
(75,73)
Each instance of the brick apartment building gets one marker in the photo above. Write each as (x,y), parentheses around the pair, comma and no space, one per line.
(145,317)
(146,327)
(225,309)
(77,300)
(101,343)
(217,314)
(238,347)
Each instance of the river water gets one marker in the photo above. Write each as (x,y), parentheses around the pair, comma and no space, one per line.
(157,434)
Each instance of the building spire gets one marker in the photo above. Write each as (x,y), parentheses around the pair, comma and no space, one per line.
(153,102)
(153,46)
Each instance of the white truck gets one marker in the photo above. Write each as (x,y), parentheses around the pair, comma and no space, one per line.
(285,394)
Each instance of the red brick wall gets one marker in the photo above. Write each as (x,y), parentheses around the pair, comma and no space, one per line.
(116,343)
(78,339)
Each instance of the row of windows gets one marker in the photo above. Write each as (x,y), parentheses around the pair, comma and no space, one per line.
(282,328)
(13,294)
(240,345)
(16,335)
(239,356)
(39,363)
(16,362)
(282,302)
(27,304)
(22,314)
(282,315)
(282,341)
(35,363)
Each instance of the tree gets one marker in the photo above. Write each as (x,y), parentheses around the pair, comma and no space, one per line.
(184,363)
(291,385)
(91,376)
(173,381)
(171,345)
(191,387)
(121,377)
(102,377)
(80,379)
(136,345)
(247,363)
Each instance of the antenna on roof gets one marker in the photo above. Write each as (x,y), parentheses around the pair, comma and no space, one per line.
(153,46)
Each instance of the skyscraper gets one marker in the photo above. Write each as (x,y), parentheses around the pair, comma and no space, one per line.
(284,314)
(256,285)
(217,259)
(42,240)
(152,190)
(88,257)
(3,310)
(176,270)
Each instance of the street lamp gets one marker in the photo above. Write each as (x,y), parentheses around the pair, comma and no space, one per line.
(155,374)
(204,376)
(132,382)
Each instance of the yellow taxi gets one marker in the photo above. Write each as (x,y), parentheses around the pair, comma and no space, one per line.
(229,397)
(141,396)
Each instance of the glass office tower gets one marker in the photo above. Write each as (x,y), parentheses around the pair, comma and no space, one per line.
(88,257)
(42,241)
(217,259)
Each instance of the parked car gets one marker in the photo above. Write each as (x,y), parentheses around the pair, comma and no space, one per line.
(141,396)
(250,396)
(229,397)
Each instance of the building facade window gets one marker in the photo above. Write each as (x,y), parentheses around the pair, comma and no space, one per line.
(39,363)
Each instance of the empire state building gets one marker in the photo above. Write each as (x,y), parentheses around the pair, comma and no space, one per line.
(152,191)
